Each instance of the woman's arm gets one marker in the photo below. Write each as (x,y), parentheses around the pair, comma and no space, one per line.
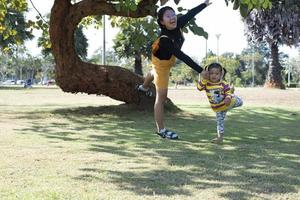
(184,19)
(168,46)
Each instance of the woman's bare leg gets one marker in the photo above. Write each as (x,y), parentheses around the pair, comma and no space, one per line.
(161,96)
(148,79)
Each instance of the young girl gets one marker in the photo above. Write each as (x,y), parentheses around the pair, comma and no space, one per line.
(220,96)
(164,50)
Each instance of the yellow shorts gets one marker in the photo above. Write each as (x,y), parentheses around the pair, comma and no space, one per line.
(161,71)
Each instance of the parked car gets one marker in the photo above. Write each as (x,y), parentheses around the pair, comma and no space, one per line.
(20,82)
(9,82)
(51,82)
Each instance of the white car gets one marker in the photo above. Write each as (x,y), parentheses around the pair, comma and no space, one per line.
(9,82)
(20,82)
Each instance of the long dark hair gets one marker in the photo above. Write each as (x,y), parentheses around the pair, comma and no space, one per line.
(160,14)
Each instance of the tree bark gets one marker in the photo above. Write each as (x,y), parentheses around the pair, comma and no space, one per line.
(72,74)
(274,78)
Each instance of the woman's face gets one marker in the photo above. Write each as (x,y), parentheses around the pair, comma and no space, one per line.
(215,75)
(169,20)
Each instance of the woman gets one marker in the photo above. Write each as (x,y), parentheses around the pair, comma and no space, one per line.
(165,50)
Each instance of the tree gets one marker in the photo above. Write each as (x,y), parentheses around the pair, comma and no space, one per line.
(256,57)
(276,26)
(46,69)
(181,74)
(135,39)
(229,61)
(5,66)
(13,31)
(110,57)
(292,67)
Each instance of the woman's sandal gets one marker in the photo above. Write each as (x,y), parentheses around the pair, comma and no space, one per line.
(147,93)
(168,134)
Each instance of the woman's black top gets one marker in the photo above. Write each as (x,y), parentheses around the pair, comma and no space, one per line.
(171,45)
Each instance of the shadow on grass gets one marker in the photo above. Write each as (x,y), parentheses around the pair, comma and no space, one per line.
(259,157)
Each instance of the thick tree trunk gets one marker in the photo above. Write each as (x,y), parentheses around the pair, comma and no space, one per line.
(138,63)
(74,75)
(274,78)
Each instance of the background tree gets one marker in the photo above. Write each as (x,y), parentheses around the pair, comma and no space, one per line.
(6,70)
(230,62)
(135,39)
(256,57)
(183,75)
(292,68)
(110,57)
(46,69)
(13,31)
(277,26)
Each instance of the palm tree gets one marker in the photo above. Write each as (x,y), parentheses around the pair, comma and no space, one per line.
(277,26)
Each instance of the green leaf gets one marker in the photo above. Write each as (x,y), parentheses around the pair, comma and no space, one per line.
(267,4)
(180,9)
(176,2)
(133,7)
(163,2)
(244,10)
(118,7)
(236,4)
(199,31)
(6,49)
(185,30)
(6,36)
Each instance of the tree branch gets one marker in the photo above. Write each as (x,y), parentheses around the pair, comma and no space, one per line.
(104,7)
(38,11)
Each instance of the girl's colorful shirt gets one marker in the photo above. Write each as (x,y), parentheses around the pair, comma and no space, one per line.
(216,93)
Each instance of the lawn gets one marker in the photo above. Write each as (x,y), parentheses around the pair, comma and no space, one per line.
(57,145)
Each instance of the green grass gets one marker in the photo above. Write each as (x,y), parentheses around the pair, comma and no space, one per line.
(62,146)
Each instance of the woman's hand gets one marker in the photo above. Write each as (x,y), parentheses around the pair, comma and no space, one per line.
(204,74)
(207,2)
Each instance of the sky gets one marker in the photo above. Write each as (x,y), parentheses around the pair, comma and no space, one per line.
(215,19)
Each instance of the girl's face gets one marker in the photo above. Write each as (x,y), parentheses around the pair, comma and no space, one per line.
(215,75)
(169,20)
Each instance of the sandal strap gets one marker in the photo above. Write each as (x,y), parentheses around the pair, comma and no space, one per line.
(168,134)
(147,92)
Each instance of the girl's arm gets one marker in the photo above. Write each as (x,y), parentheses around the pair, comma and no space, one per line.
(227,89)
(184,19)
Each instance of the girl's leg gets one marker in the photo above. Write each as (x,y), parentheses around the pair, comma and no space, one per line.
(220,118)
(238,102)
(161,96)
